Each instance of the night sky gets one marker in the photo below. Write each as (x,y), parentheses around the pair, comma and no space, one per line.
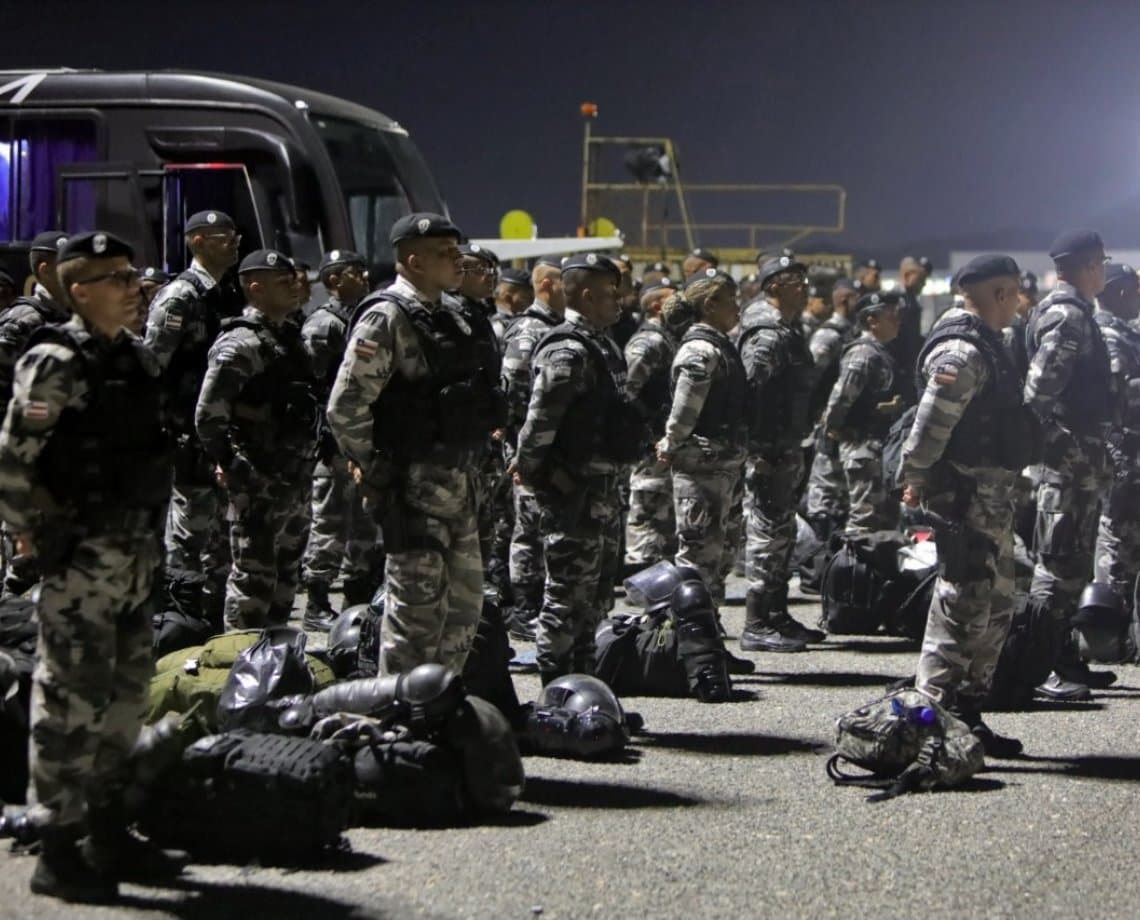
(966,120)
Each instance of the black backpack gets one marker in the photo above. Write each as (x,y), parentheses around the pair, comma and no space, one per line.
(853,582)
(1026,657)
(637,656)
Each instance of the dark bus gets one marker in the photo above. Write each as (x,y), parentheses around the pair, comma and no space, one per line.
(136,153)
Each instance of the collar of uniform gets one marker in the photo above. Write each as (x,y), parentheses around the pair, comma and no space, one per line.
(251,312)
(200,270)
(577,319)
(1111,318)
(77,323)
(42,293)
(1070,293)
(403,286)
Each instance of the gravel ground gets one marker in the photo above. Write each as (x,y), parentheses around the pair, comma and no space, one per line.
(726,811)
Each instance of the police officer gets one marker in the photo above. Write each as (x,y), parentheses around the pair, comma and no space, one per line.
(1118,538)
(703,442)
(527,570)
(258,421)
(47,304)
(905,346)
(868,276)
(1070,387)
(651,528)
(84,479)
(816,311)
(478,271)
(629,319)
(513,294)
(654,272)
(578,434)
(1014,333)
(409,409)
(152,280)
(779,372)
(185,318)
(864,403)
(341,534)
(969,439)
(698,261)
(749,289)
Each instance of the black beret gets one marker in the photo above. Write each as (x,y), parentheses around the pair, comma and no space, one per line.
(338,257)
(479,252)
(705,274)
(814,290)
(422,224)
(552,261)
(97,244)
(844,284)
(705,256)
(210,220)
(871,263)
(48,241)
(592,262)
(778,264)
(662,284)
(266,260)
(750,278)
(1028,281)
(658,267)
(623,259)
(1075,243)
(871,303)
(151,273)
(515,276)
(1119,275)
(983,268)
(927,265)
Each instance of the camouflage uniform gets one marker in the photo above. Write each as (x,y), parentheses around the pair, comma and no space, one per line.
(257,420)
(779,370)
(1070,388)
(905,346)
(1118,539)
(184,319)
(94,505)
(827,487)
(704,441)
(501,321)
(651,528)
(434,578)
(528,573)
(579,506)
(809,324)
(613,530)
(342,533)
(861,409)
(19,321)
(957,455)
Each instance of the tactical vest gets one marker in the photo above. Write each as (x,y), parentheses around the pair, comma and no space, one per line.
(655,396)
(995,429)
(1129,338)
(724,415)
(863,419)
(114,455)
(187,365)
(600,423)
(490,355)
(780,413)
(46,314)
(276,416)
(451,410)
(343,315)
(825,381)
(1086,403)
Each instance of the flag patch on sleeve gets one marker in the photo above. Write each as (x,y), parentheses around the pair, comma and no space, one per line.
(36,411)
(173,321)
(365,348)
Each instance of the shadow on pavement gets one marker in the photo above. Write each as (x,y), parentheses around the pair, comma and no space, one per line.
(1100,766)
(978,784)
(733,743)
(343,859)
(213,901)
(885,646)
(589,794)
(821,679)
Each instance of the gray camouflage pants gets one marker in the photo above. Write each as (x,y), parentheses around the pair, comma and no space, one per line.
(705,487)
(1118,538)
(870,507)
(528,570)
(342,533)
(650,532)
(771,522)
(827,488)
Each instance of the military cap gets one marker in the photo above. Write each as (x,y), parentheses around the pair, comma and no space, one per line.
(844,284)
(592,262)
(658,267)
(662,284)
(871,303)
(266,260)
(983,268)
(552,261)
(871,263)
(422,224)
(479,252)
(1119,275)
(97,245)
(927,265)
(778,264)
(1074,243)
(48,241)
(337,258)
(515,276)
(623,259)
(706,274)
(210,220)
(1028,282)
(750,278)
(158,275)
(705,256)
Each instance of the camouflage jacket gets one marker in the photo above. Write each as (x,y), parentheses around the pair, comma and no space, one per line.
(649,356)
(518,347)
(18,322)
(324,334)
(866,371)
(1123,343)
(697,366)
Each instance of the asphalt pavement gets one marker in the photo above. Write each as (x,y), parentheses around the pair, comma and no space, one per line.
(725,810)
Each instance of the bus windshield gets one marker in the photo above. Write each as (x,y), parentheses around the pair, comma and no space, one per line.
(382,176)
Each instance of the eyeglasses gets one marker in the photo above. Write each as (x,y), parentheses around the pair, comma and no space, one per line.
(485,270)
(124,277)
(227,236)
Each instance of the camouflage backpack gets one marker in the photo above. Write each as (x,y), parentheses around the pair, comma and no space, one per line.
(907,742)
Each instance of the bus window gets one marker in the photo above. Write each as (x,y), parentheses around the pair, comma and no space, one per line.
(194,187)
(32,153)
(109,196)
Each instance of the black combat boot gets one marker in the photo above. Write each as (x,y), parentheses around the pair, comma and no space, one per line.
(319,612)
(759,635)
(62,872)
(1001,747)
(121,856)
(1057,687)
(787,625)
(1073,668)
(522,619)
